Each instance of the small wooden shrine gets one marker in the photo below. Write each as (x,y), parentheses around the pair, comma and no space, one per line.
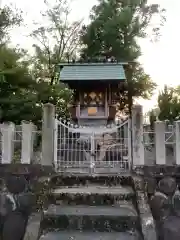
(95,87)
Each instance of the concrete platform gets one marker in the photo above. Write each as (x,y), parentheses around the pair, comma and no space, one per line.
(88,236)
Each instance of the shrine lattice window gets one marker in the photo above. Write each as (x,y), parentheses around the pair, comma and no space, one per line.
(94,99)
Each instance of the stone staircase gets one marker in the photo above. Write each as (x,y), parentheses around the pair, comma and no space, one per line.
(91,208)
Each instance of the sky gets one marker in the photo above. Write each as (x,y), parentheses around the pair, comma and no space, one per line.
(159,59)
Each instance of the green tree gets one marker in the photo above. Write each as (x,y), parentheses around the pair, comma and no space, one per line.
(115,27)
(21,96)
(56,40)
(17,94)
(9,18)
(15,80)
(169,104)
(114,31)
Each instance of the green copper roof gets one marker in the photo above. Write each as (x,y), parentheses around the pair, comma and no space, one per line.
(92,71)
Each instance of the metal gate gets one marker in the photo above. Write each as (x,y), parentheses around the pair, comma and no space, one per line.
(80,149)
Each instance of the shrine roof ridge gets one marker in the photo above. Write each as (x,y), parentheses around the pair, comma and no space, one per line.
(92,63)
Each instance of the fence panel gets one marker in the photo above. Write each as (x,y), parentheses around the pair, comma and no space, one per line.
(83,148)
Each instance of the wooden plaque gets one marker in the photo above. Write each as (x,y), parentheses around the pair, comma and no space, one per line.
(92,111)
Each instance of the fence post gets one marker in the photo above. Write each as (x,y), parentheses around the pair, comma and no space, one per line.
(55,143)
(48,134)
(125,133)
(160,142)
(7,130)
(129,142)
(137,135)
(27,142)
(177,143)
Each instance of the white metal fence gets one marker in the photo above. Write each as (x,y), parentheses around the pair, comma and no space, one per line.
(19,143)
(114,147)
(161,144)
(90,147)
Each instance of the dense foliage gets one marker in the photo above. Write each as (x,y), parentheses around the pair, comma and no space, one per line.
(168,105)
(114,31)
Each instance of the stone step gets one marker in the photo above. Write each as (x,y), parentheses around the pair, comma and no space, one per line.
(91,195)
(90,236)
(91,200)
(60,179)
(94,190)
(99,218)
(123,210)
